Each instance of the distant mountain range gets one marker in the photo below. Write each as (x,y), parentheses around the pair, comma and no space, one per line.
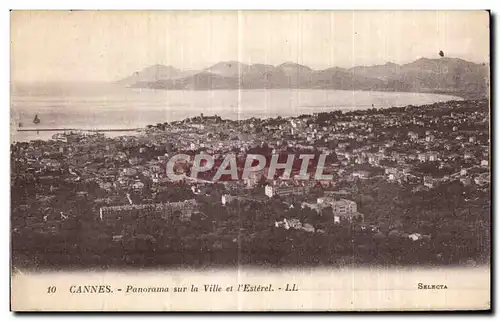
(451,76)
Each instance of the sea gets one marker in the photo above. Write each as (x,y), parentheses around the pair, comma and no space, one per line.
(99,106)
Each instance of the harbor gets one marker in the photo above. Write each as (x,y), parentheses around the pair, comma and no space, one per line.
(77,129)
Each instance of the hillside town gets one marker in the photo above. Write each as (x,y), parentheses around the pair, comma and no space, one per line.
(411,185)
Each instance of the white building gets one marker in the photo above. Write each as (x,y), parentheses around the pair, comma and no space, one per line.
(226,199)
(433,156)
(295,224)
(361,174)
(344,206)
(271,191)
(428,181)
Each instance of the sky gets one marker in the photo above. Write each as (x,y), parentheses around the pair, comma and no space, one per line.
(110,45)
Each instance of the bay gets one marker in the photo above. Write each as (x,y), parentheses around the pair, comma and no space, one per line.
(111,106)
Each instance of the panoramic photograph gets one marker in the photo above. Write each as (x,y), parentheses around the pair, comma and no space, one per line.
(221,139)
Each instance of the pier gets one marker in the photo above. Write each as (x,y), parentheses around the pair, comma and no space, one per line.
(76,130)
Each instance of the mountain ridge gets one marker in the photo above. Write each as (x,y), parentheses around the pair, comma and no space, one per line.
(445,75)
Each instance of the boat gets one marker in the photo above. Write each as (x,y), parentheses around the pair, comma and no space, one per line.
(36,120)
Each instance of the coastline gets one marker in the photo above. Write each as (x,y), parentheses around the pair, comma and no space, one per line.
(455,94)
(139,129)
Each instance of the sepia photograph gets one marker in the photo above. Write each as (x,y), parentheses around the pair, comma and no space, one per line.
(250,160)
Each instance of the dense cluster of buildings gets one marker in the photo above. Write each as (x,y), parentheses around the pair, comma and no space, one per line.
(166,211)
(421,147)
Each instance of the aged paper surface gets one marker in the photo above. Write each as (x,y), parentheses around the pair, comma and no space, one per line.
(250,161)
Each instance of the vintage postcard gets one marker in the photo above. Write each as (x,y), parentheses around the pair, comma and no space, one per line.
(250,160)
